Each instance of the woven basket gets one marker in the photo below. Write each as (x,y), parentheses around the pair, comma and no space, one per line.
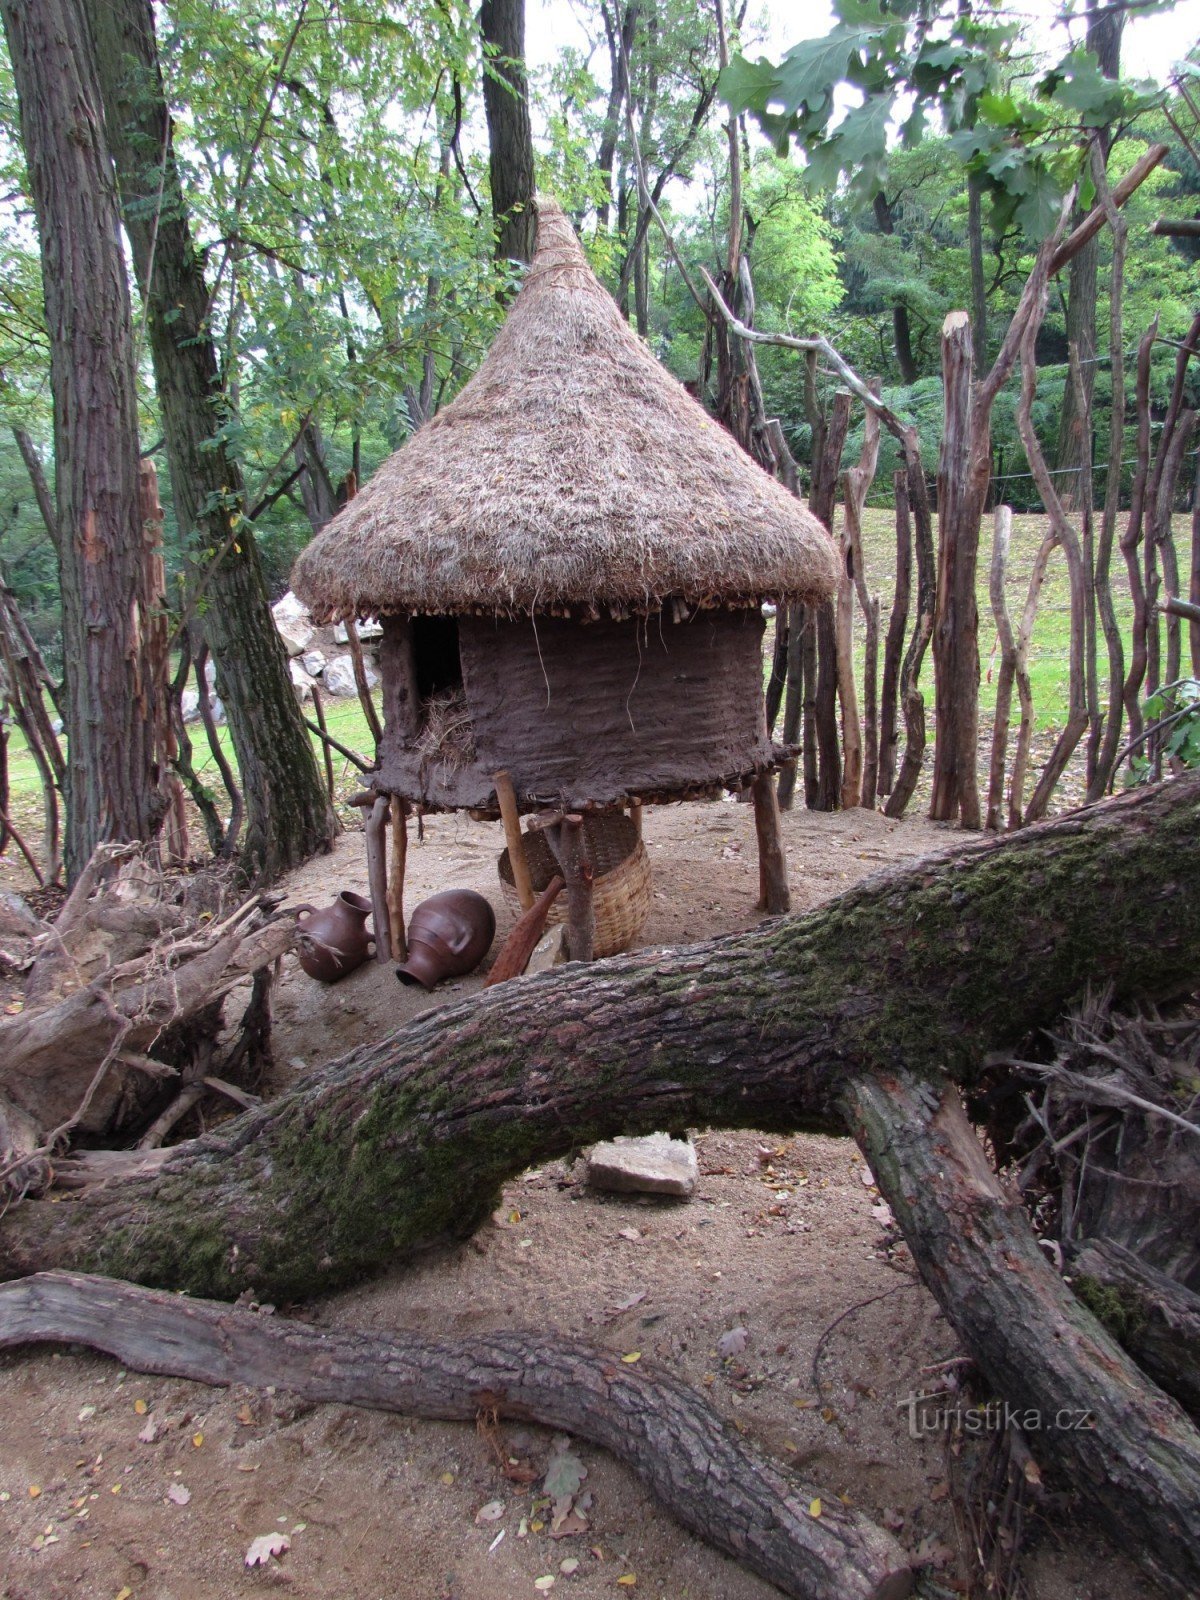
(620,889)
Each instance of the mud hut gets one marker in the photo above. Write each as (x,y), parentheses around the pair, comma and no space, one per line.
(570,562)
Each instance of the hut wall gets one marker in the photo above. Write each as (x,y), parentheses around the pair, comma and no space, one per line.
(592,713)
(607,709)
(401,706)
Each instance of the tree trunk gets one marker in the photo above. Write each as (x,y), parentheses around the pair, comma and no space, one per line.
(979,330)
(288,816)
(901,329)
(510,139)
(963,476)
(1074,453)
(894,643)
(112,776)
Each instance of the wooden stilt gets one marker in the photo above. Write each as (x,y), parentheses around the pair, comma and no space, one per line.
(506,797)
(635,816)
(773,893)
(319,712)
(377,876)
(577,870)
(396,879)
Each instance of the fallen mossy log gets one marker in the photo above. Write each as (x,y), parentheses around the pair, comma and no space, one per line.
(404,1143)
(710,1479)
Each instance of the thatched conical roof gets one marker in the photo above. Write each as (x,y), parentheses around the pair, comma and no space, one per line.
(572,470)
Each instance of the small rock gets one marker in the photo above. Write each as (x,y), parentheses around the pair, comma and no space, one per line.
(296,636)
(313,662)
(15,916)
(338,677)
(301,681)
(368,628)
(289,608)
(656,1164)
(547,952)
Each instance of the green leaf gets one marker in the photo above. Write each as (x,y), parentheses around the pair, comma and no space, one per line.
(1041,197)
(748,85)
(812,69)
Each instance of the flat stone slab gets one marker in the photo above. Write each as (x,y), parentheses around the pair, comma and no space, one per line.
(656,1164)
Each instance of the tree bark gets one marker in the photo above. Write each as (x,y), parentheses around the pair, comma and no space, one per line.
(288,816)
(510,138)
(714,1482)
(112,776)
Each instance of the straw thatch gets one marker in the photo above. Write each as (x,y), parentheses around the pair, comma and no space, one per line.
(572,470)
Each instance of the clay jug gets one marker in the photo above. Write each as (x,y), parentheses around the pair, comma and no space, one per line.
(332,942)
(449,935)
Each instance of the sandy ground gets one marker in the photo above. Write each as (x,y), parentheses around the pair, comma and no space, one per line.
(785,1239)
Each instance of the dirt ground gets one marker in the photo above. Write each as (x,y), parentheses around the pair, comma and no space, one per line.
(120,1487)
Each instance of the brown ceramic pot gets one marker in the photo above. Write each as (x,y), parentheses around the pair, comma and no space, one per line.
(449,935)
(332,942)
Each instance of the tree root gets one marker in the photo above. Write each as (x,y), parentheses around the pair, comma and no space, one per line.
(713,1481)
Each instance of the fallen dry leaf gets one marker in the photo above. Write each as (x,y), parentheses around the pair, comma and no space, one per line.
(178,1495)
(569,1567)
(814,1508)
(197,1440)
(265,1546)
(631,1357)
(567,1523)
(565,1473)
(732,1343)
(629,1233)
(628,1580)
(149,1434)
(492,1512)
(628,1303)
(545,1584)
(140,1407)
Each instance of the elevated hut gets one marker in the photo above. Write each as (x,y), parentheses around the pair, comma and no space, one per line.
(570,562)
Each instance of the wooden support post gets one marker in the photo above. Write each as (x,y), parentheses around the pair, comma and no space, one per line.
(773,893)
(506,797)
(377,876)
(570,847)
(360,680)
(319,711)
(395,895)
(635,816)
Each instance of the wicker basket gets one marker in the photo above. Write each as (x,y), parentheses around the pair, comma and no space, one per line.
(620,890)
